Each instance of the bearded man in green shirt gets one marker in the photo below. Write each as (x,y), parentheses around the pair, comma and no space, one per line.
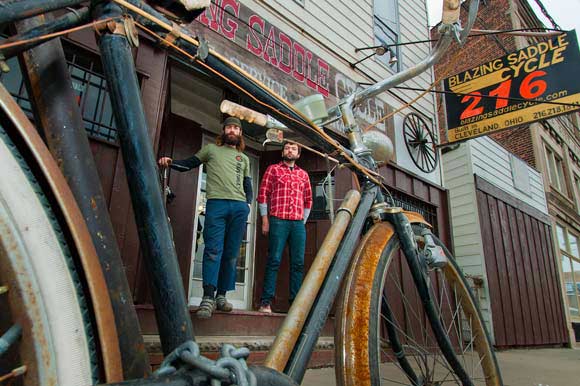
(229,194)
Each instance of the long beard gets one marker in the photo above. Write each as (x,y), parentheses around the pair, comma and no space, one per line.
(230,139)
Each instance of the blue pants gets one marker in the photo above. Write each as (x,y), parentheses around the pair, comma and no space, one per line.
(225,227)
(282,231)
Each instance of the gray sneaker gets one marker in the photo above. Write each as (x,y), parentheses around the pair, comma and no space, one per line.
(222,304)
(206,308)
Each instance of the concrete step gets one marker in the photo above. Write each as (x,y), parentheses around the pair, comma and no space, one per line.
(259,346)
(235,323)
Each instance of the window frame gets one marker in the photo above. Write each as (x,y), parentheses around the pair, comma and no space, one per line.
(576,189)
(395,29)
(556,170)
(318,179)
(574,274)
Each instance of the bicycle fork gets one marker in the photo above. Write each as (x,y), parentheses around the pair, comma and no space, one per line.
(433,257)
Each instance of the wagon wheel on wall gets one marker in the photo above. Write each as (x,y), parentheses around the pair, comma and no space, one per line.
(420,143)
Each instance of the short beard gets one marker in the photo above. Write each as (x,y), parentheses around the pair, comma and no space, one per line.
(287,159)
(232,140)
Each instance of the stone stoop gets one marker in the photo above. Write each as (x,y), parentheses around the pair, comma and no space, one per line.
(235,323)
(251,329)
(323,355)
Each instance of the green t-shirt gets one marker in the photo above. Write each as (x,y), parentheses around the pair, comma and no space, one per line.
(226,168)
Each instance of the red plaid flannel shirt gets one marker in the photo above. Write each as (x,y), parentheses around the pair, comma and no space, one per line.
(287,192)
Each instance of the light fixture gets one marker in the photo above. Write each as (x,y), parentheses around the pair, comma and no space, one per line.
(378,50)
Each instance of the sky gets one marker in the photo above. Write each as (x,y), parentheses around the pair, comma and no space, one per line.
(564,12)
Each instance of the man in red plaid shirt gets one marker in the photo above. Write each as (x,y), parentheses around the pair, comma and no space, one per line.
(285,200)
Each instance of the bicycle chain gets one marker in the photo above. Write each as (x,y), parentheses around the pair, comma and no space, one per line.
(231,367)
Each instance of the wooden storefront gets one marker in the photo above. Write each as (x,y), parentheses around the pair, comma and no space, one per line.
(179,137)
(522,270)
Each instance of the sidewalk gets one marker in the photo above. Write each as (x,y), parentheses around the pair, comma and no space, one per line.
(545,367)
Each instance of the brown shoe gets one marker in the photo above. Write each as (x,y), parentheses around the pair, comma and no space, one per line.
(222,304)
(206,308)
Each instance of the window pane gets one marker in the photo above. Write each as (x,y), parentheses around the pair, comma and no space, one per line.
(561,179)
(568,276)
(320,205)
(386,29)
(386,10)
(551,167)
(561,238)
(573,245)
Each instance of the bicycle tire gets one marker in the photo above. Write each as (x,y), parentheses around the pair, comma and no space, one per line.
(364,352)
(45,296)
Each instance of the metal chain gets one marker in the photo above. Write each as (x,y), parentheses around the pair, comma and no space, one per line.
(231,367)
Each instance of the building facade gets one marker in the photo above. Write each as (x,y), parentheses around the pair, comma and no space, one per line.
(550,148)
(296,48)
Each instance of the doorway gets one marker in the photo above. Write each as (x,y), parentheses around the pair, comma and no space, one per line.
(241,296)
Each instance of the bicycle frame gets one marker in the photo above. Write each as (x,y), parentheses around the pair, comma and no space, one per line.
(171,310)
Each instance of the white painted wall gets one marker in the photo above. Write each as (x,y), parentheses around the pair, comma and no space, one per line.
(494,163)
(333,29)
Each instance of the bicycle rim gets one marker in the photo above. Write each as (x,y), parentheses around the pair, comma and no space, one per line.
(366,354)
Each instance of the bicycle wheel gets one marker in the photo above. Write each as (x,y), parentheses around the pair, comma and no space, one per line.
(48,277)
(384,336)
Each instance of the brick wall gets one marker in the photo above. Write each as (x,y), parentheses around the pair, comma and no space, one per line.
(492,15)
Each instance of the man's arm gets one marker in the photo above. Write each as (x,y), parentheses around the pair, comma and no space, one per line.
(248,189)
(263,194)
(307,194)
(186,164)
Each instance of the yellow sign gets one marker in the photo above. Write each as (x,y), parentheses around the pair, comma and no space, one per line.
(516,118)
(531,84)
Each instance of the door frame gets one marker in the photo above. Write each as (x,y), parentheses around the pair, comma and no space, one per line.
(246,302)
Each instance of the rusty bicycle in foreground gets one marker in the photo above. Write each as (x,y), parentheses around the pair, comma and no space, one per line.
(405,318)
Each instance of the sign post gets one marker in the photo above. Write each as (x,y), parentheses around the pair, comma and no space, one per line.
(534,83)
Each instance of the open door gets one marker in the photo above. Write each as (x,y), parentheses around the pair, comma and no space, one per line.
(240,297)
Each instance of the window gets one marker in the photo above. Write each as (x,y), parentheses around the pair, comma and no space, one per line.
(407,202)
(568,244)
(555,170)
(520,175)
(386,27)
(89,86)
(320,202)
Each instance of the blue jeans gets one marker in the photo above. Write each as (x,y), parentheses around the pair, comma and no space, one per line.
(282,231)
(225,227)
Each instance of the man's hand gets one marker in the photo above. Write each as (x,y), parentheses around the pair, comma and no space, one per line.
(265,225)
(165,162)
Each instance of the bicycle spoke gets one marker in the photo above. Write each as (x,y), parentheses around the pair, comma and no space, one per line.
(458,302)
(417,347)
(409,324)
(392,380)
(404,298)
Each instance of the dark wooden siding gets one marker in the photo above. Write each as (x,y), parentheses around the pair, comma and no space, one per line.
(151,66)
(525,299)
(412,189)
(405,187)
